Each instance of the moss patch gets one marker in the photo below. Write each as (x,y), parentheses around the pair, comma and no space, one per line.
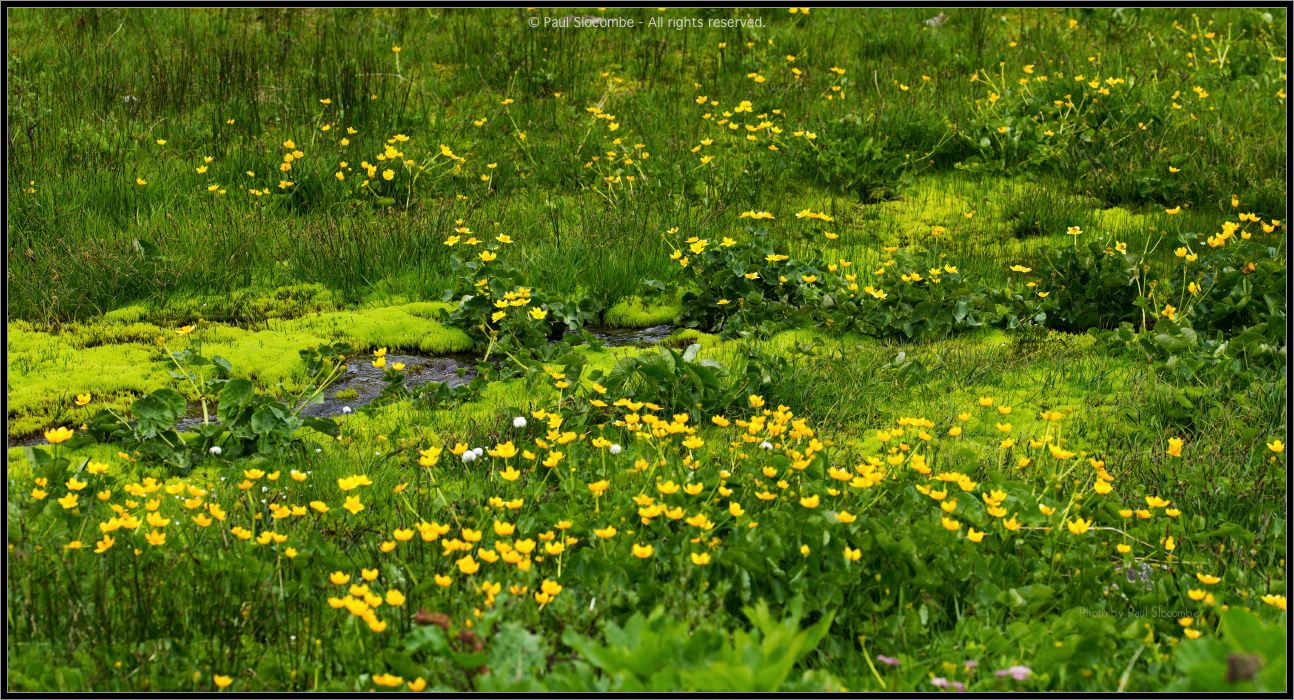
(409,327)
(293,301)
(118,357)
(633,312)
(47,371)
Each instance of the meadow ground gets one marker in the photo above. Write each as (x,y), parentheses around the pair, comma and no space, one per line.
(972,371)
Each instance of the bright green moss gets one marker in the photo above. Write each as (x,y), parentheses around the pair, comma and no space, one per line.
(270,358)
(408,328)
(633,312)
(46,372)
(128,314)
(118,360)
(293,301)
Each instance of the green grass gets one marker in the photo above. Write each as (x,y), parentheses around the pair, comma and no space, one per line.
(180,76)
(971,143)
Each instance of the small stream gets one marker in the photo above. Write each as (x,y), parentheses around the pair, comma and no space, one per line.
(631,336)
(363,382)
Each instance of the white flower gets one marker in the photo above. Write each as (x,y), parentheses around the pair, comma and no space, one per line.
(345,409)
(469,456)
(615,449)
(765,445)
(519,422)
(480,451)
(215,450)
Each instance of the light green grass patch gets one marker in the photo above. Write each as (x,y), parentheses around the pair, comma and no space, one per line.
(47,371)
(634,312)
(409,327)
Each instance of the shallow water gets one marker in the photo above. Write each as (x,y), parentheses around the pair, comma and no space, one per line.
(366,380)
(631,336)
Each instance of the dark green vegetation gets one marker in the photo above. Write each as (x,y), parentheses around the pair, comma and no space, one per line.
(92,91)
(976,376)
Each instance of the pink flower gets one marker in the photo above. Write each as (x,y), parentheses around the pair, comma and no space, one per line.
(1020,673)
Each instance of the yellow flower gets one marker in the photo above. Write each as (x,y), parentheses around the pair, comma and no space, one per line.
(643,551)
(605,533)
(1079,526)
(222,682)
(58,435)
(1276,446)
(1174,447)
(1059,453)
(1208,579)
(82,399)
(700,558)
(505,450)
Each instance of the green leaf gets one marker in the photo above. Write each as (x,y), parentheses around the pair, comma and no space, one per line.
(266,420)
